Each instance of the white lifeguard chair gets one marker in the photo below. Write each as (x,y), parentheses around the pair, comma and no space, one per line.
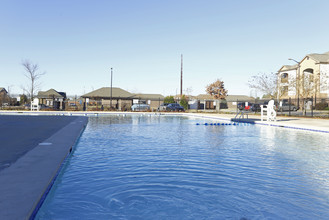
(35,105)
(271,113)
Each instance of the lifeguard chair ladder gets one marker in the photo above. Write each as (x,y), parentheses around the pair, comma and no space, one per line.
(271,113)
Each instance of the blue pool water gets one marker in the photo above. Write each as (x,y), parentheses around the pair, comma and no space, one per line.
(165,167)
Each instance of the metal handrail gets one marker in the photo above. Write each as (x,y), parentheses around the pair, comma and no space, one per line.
(241,113)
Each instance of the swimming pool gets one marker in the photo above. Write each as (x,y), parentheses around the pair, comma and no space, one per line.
(167,167)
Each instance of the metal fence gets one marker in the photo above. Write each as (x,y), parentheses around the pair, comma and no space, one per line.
(303,107)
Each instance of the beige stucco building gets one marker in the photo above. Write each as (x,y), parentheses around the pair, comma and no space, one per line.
(307,79)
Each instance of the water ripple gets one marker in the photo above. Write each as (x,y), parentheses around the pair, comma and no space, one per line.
(166,168)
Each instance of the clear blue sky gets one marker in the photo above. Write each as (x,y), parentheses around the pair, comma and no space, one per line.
(77,42)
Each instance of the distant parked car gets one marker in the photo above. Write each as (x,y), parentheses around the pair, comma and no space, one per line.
(72,106)
(140,107)
(266,103)
(285,107)
(27,106)
(255,107)
(242,106)
(174,107)
(163,107)
(37,107)
(44,107)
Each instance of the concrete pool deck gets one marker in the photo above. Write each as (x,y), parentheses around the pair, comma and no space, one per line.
(33,150)
(309,124)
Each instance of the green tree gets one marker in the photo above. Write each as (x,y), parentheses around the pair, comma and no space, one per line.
(23,99)
(183,102)
(169,99)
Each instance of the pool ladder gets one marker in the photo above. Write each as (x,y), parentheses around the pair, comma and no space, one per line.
(241,115)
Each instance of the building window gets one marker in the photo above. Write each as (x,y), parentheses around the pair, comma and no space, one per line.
(284,77)
(308,75)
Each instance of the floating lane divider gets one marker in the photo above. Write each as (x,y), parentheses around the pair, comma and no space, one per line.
(223,124)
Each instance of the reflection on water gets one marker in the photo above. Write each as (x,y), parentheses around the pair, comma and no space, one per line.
(164,167)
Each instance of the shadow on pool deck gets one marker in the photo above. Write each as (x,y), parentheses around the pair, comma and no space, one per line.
(33,149)
(254,120)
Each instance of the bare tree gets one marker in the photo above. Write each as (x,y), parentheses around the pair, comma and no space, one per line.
(323,82)
(305,86)
(265,83)
(188,91)
(313,84)
(33,74)
(217,90)
(310,85)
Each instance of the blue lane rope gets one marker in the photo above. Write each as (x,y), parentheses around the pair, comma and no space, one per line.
(220,124)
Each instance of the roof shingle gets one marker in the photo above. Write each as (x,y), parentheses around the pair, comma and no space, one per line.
(51,93)
(105,92)
(149,96)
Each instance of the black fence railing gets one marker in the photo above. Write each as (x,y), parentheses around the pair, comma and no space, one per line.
(302,107)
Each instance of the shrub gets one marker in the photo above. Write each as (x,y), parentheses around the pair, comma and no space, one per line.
(184,102)
(169,99)
(321,106)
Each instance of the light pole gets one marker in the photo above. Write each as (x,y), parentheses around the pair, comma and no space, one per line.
(111,88)
(297,79)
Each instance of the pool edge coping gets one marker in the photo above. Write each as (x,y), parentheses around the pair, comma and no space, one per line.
(45,193)
(27,181)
